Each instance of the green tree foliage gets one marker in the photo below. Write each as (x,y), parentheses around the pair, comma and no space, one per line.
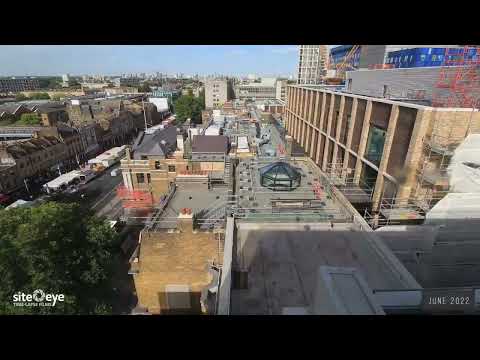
(187,106)
(201,97)
(20,97)
(58,97)
(61,249)
(29,119)
(40,96)
(144,88)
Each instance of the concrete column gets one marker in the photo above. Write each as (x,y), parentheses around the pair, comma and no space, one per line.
(315,112)
(363,141)
(307,139)
(338,129)
(350,132)
(387,147)
(414,154)
(304,108)
(310,108)
(302,102)
(312,140)
(297,101)
(301,141)
(329,125)
(322,114)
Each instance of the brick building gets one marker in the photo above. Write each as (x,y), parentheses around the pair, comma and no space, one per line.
(25,160)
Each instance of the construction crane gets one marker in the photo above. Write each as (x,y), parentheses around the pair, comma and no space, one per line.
(346,63)
(341,67)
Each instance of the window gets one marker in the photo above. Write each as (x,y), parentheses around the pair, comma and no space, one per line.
(140,178)
(375,142)
(171,168)
(157,165)
(422,57)
(149,179)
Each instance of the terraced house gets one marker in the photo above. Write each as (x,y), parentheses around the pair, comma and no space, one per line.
(23,160)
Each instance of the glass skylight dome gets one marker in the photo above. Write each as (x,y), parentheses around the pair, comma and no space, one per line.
(280,176)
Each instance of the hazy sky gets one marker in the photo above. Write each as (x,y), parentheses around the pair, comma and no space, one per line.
(108,59)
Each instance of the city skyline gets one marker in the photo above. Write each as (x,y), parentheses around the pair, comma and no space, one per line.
(17,60)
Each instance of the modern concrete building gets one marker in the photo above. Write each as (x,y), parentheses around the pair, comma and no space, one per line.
(18,84)
(371,55)
(389,157)
(281,90)
(263,90)
(416,83)
(312,63)
(217,92)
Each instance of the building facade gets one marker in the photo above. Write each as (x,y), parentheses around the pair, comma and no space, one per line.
(389,152)
(424,56)
(217,92)
(23,161)
(266,89)
(312,63)
(15,84)
(377,55)
(412,83)
(281,90)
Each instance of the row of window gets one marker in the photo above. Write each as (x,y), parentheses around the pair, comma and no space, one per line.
(406,58)
(141,176)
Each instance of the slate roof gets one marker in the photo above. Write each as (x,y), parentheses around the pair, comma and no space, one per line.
(161,143)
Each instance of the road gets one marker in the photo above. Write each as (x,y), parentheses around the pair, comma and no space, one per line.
(100,194)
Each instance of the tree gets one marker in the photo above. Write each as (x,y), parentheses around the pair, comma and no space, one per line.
(20,97)
(60,249)
(57,97)
(144,88)
(187,106)
(53,83)
(29,119)
(201,98)
(40,96)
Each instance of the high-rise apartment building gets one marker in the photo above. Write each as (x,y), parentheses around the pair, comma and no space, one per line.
(312,63)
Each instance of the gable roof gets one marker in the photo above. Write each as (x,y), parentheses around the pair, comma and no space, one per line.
(160,143)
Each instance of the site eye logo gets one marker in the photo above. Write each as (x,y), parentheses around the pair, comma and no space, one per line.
(38,295)
(38,298)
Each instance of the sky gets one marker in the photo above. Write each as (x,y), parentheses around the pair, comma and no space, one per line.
(34,60)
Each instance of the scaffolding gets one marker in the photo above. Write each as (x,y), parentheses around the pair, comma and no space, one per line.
(135,199)
(355,190)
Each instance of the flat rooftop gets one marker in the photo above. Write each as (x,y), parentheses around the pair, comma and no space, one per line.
(214,199)
(282,262)
(259,203)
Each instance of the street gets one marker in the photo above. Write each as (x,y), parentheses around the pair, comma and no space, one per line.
(100,194)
